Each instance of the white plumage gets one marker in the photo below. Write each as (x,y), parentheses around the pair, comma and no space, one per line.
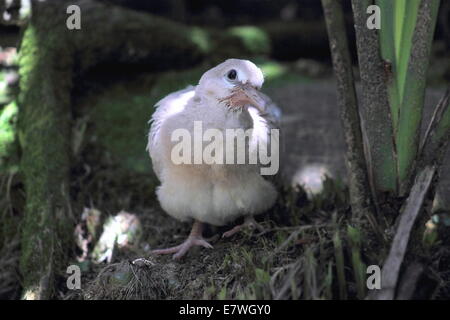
(213,193)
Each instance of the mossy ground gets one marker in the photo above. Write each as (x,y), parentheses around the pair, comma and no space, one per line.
(293,258)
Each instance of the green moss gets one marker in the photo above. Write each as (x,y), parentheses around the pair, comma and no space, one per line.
(120,125)
(121,114)
(44,114)
(8,119)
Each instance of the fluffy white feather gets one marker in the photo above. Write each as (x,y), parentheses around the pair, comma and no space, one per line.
(215,194)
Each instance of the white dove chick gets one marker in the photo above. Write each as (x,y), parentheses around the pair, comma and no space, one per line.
(226,98)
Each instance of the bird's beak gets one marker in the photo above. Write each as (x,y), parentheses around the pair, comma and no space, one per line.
(245,95)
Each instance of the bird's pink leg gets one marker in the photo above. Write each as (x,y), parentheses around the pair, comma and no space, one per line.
(249,222)
(195,238)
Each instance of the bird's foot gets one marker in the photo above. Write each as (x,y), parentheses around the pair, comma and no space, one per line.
(180,250)
(249,222)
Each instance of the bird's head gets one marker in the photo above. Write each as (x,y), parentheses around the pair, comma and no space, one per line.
(234,83)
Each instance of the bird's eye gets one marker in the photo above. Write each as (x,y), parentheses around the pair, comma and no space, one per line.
(232,74)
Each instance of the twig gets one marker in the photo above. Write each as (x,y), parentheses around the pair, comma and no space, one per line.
(282,293)
(391,268)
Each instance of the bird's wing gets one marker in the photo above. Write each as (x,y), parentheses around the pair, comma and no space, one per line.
(166,107)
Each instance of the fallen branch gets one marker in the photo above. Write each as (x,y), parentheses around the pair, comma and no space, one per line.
(391,267)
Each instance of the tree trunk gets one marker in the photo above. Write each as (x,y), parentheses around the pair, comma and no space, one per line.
(44,133)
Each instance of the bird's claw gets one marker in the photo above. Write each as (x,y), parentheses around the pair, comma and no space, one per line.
(249,222)
(180,250)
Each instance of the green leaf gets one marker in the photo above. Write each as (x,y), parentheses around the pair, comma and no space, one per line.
(406,23)
(388,53)
(412,99)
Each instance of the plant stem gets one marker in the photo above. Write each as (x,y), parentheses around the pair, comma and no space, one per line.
(347,102)
(339,256)
(375,111)
(437,136)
